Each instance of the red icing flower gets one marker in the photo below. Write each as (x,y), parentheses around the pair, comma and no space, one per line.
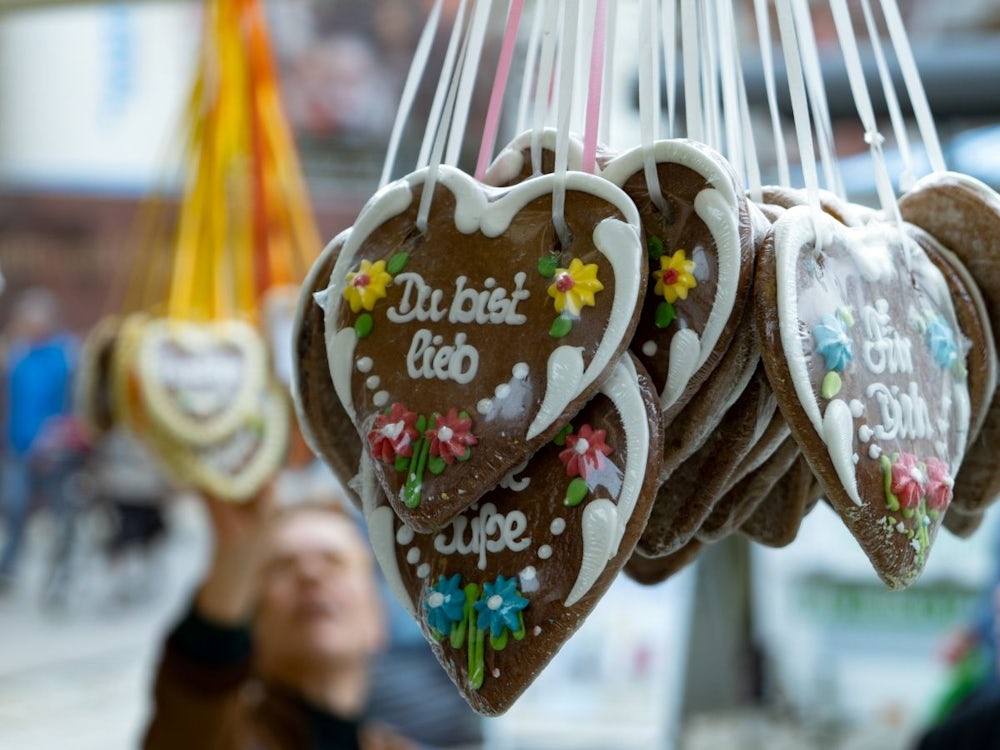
(584,452)
(909,482)
(939,485)
(451,436)
(393,434)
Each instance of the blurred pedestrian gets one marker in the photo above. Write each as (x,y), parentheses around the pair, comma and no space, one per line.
(38,363)
(275,652)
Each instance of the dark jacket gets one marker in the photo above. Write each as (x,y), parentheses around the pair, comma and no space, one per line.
(206,698)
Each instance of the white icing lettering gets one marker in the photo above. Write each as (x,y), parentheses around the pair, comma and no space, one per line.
(422,302)
(458,362)
(511,482)
(903,415)
(489,531)
(884,348)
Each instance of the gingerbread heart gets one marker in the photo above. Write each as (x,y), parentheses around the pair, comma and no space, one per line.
(776,521)
(700,255)
(743,497)
(93,396)
(199,380)
(502,587)
(514,163)
(238,466)
(865,354)
(686,499)
(962,523)
(415,320)
(963,214)
(126,408)
(324,422)
(650,571)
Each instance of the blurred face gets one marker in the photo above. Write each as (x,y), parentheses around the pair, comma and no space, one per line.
(318,601)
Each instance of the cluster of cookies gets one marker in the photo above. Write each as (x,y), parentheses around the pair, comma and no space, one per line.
(522,413)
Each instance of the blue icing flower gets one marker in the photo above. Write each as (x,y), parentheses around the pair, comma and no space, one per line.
(499,606)
(833,343)
(941,341)
(445,604)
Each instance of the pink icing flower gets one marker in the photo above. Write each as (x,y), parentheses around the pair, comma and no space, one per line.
(451,436)
(393,434)
(584,452)
(940,484)
(909,482)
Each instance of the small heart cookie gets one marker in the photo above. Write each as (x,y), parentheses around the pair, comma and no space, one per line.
(93,396)
(963,214)
(324,423)
(515,162)
(864,352)
(499,589)
(700,257)
(776,521)
(199,380)
(414,323)
(239,465)
(762,467)
(650,571)
(683,502)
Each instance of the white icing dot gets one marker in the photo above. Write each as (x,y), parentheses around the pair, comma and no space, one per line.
(882,306)
(536,630)
(874,451)
(365,364)
(865,433)
(424,570)
(502,391)
(373,382)
(484,406)
(894,390)
(855,458)
(438,340)
(582,446)
(494,602)
(521,371)
(490,283)
(857,408)
(445,433)
(381,398)
(496,672)
(413,555)
(528,573)
(435,600)
(558,526)
(545,552)
(901,528)
(404,536)
(650,348)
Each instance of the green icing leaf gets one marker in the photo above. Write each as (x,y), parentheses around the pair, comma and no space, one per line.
(436,465)
(831,385)
(844,313)
(576,492)
(547,266)
(560,327)
(560,439)
(397,263)
(465,456)
(892,502)
(363,325)
(654,246)
(665,314)
(402,463)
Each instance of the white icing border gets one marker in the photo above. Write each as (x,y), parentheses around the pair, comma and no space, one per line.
(719,208)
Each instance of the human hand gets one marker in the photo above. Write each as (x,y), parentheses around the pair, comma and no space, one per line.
(227,594)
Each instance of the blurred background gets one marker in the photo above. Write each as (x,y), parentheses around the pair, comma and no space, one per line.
(800,647)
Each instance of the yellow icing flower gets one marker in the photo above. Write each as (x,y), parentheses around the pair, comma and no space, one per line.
(675,277)
(366,286)
(575,287)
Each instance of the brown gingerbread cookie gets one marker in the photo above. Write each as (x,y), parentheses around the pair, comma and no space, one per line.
(963,214)
(700,255)
(685,500)
(324,423)
(849,214)
(776,520)
(415,321)
(865,354)
(962,523)
(499,589)
(650,571)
